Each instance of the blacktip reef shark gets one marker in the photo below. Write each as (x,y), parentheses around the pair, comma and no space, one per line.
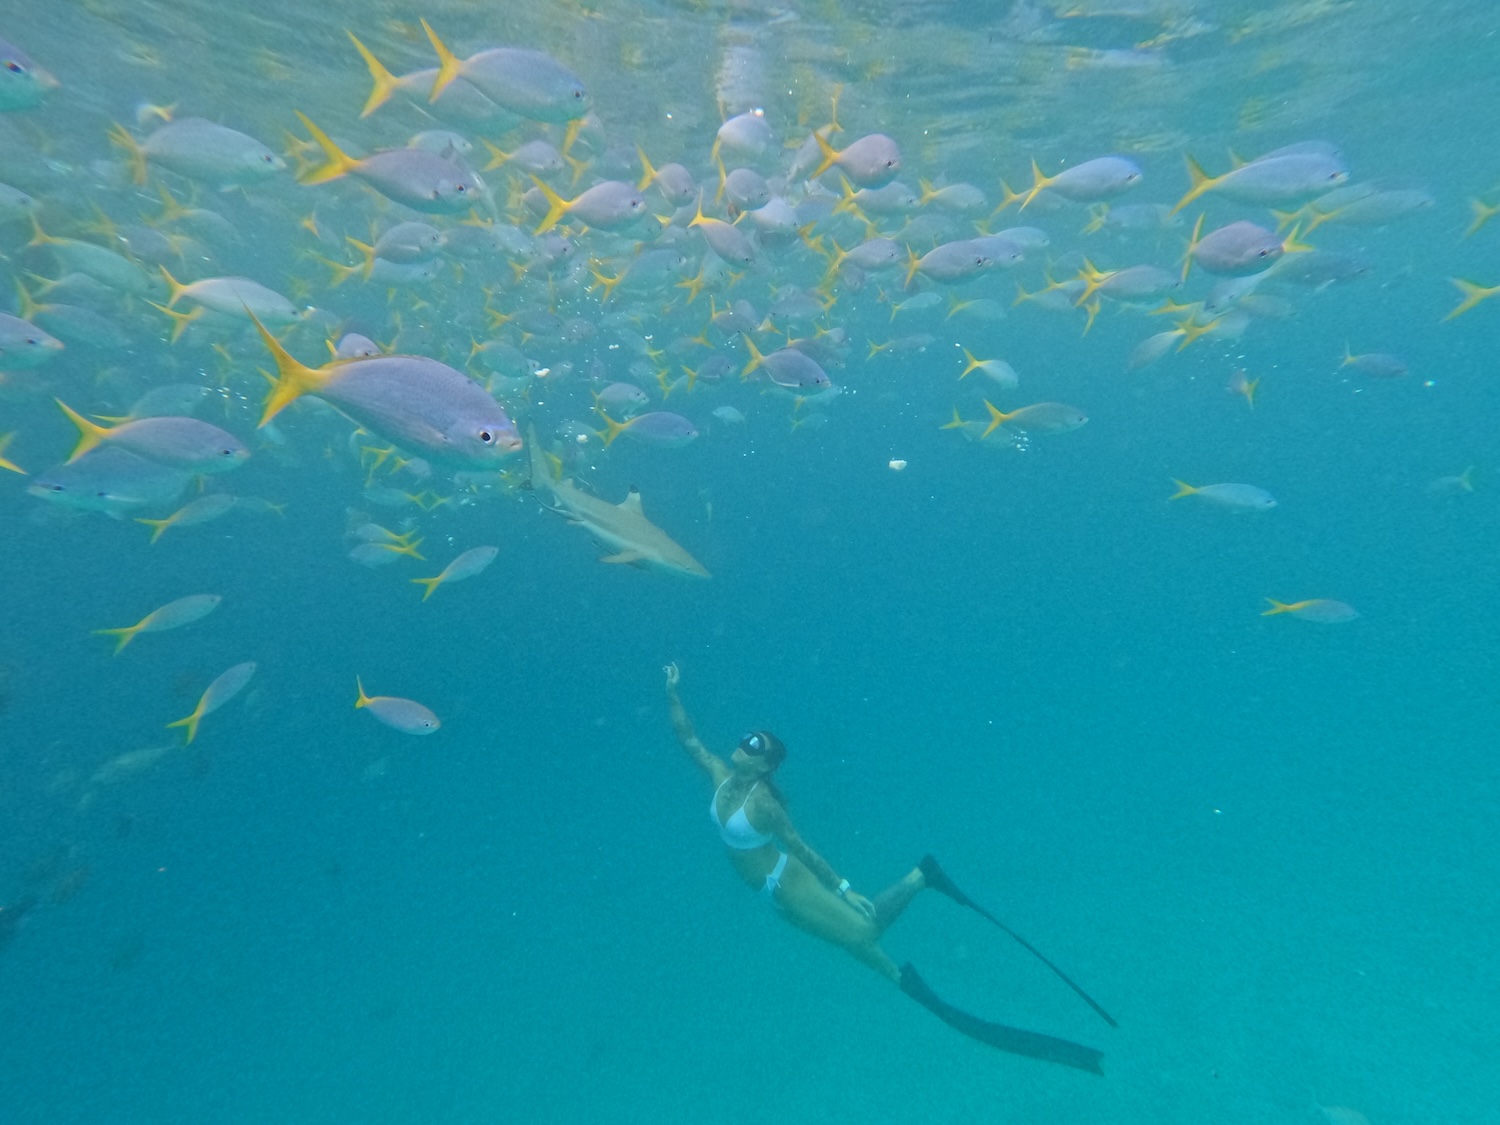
(622,527)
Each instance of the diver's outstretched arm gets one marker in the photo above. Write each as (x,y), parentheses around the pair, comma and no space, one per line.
(708,762)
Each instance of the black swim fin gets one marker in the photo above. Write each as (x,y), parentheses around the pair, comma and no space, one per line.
(937,879)
(1012,1039)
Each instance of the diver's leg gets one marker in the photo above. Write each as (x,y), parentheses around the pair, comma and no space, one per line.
(890,902)
(810,906)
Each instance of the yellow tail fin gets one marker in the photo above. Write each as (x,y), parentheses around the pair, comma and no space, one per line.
(1183,489)
(133,152)
(293,379)
(339,162)
(557,207)
(385,83)
(89,434)
(449,68)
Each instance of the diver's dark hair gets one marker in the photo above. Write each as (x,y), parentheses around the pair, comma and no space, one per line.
(764,744)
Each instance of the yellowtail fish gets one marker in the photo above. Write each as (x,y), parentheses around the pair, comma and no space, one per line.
(24,345)
(1237,497)
(202,510)
(180,443)
(201,150)
(173,615)
(610,205)
(1320,611)
(530,84)
(467,565)
(416,402)
(224,688)
(423,181)
(110,480)
(1038,418)
(23,84)
(405,715)
(871,162)
(1089,182)
(1285,175)
(996,369)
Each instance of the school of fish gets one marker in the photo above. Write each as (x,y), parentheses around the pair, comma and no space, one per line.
(517,262)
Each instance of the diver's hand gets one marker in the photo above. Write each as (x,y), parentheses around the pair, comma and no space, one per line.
(673,676)
(860,903)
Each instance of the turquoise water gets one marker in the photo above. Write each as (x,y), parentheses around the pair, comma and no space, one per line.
(1264,844)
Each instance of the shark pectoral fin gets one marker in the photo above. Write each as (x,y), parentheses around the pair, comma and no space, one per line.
(634,558)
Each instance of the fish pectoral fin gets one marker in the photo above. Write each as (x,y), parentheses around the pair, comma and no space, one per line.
(634,558)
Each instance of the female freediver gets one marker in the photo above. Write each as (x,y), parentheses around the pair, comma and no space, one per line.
(767,852)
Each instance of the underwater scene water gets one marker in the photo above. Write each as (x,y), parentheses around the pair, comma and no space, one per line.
(1068,426)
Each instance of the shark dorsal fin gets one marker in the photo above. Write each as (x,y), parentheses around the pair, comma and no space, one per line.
(632,502)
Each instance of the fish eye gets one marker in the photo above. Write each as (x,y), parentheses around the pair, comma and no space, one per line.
(486,437)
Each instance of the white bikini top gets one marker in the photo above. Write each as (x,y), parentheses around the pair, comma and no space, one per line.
(737,832)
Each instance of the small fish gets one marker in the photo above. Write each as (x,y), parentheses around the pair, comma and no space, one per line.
(1278,177)
(23,345)
(657,427)
(1039,418)
(467,565)
(747,134)
(1377,365)
(110,480)
(225,687)
(200,150)
(15,203)
(1238,249)
(1237,497)
(1089,182)
(952,261)
(180,443)
(728,415)
(538,157)
(611,205)
(23,84)
(870,162)
(530,84)
(965,199)
(724,239)
(205,508)
(1152,348)
(173,615)
(1460,483)
(423,181)
(786,367)
(995,369)
(405,715)
(746,190)
(1320,611)
(414,401)
(676,183)
(1241,384)
(237,297)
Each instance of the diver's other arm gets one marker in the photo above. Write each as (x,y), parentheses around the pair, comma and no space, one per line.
(822,870)
(683,725)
